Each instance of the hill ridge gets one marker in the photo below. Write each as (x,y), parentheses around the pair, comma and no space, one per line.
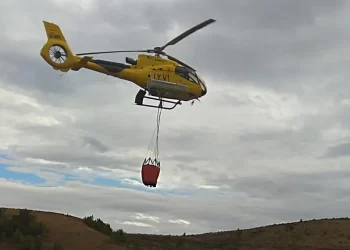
(89,233)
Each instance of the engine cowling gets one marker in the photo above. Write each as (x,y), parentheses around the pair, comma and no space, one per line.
(130,61)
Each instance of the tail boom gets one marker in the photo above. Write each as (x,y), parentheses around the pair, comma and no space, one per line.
(57,53)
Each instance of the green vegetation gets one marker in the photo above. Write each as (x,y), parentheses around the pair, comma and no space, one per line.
(23,230)
(118,236)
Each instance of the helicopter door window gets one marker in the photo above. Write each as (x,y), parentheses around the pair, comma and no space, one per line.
(181,72)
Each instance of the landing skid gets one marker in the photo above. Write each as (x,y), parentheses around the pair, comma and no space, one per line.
(140,96)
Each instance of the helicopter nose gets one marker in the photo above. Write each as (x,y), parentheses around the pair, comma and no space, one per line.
(204,89)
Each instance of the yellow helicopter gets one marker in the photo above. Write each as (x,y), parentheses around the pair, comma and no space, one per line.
(167,80)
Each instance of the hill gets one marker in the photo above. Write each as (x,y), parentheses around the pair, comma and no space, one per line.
(40,230)
(62,232)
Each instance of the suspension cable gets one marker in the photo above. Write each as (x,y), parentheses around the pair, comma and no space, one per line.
(158,127)
(154,155)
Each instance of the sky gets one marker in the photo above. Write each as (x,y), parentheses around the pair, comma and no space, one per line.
(269,143)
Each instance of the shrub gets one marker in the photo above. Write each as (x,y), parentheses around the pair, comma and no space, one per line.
(98,225)
(118,236)
(22,229)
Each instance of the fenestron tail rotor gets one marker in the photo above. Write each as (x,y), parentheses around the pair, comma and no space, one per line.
(58,54)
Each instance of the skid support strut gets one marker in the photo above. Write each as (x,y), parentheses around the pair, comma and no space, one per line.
(140,96)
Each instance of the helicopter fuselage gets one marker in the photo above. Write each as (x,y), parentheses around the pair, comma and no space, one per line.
(162,78)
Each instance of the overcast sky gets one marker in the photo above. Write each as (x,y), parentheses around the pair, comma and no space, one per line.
(269,143)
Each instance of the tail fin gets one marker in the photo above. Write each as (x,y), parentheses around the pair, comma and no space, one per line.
(56,51)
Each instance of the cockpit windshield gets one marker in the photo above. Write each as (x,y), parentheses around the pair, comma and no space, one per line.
(187,74)
(193,77)
(201,80)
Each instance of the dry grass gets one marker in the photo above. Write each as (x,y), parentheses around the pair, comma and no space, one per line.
(325,234)
(316,234)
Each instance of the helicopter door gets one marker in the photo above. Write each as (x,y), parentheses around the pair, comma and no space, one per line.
(160,75)
(160,82)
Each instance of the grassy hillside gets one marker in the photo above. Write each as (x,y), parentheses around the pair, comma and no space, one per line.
(62,232)
(31,230)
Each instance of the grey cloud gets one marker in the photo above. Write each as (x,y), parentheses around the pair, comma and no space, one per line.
(33,75)
(275,187)
(95,143)
(188,159)
(130,15)
(294,185)
(340,150)
(102,202)
(287,142)
(318,192)
(342,114)
(205,213)
(75,157)
(272,14)
(258,49)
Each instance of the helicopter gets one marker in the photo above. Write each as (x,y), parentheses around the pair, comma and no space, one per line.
(166,80)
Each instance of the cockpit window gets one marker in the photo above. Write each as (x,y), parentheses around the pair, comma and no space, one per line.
(188,75)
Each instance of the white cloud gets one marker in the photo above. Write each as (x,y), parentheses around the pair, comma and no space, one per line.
(179,221)
(141,216)
(135,223)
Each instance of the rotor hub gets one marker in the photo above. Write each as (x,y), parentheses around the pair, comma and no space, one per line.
(157,49)
(57,54)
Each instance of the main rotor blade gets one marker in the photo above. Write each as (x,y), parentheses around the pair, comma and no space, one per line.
(180,62)
(113,51)
(188,32)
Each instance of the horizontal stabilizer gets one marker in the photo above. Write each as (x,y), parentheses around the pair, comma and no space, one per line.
(83,61)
